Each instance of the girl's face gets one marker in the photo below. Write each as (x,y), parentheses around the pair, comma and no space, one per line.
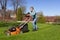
(31,9)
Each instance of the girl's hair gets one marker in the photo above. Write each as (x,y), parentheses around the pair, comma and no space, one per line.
(28,13)
(32,7)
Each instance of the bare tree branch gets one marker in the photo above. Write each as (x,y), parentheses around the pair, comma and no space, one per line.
(3,4)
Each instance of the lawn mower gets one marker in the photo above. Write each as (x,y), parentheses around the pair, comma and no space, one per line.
(23,27)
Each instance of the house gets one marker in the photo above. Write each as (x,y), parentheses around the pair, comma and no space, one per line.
(52,19)
(10,15)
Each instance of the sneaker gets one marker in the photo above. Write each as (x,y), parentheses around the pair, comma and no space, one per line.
(34,30)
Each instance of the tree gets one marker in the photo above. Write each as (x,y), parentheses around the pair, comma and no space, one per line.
(18,3)
(3,4)
(41,18)
(57,20)
(19,14)
(23,8)
(15,5)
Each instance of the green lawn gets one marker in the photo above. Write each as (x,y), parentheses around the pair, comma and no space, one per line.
(45,32)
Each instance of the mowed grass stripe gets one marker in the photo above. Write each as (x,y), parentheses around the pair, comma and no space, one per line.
(45,32)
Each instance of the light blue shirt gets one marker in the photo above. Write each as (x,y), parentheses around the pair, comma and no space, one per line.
(33,14)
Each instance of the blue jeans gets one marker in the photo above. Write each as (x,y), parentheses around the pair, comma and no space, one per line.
(34,24)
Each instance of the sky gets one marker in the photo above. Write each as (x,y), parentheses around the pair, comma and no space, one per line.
(48,7)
